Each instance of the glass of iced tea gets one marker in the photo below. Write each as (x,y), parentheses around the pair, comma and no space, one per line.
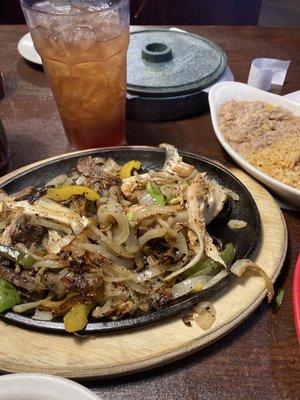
(83,45)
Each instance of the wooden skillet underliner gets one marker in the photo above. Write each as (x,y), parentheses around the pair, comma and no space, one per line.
(124,352)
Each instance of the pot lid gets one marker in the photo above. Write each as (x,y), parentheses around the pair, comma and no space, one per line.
(163,62)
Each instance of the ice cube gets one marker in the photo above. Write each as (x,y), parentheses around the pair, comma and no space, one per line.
(43,32)
(44,6)
(84,37)
(67,34)
(63,28)
(63,9)
(54,6)
(98,6)
(62,6)
(39,19)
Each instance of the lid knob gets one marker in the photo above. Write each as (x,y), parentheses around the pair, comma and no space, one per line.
(157,52)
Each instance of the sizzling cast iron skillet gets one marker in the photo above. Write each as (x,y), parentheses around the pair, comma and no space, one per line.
(245,240)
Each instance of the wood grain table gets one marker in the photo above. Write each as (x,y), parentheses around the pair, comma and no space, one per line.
(261,358)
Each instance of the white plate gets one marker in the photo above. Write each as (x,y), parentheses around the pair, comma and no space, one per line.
(226,91)
(27,50)
(42,387)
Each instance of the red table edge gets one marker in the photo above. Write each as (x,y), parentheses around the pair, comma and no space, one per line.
(296,297)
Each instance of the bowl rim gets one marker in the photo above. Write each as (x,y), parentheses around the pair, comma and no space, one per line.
(15,382)
(241,160)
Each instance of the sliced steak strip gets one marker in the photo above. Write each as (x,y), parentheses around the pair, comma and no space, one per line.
(22,280)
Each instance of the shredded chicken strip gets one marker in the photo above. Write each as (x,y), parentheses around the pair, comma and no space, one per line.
(174,163)
(199,238)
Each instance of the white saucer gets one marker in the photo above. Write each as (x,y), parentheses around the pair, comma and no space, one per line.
(27,50)
(41,386)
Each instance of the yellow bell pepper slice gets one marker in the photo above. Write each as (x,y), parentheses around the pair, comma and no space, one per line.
(128,167)
(65,192)
(77,318)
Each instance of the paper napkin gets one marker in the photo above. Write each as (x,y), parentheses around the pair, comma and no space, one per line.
(267,71)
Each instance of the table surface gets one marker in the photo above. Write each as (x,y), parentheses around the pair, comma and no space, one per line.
(259,359)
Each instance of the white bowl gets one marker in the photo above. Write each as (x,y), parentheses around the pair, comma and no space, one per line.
(225,91)
(42,387)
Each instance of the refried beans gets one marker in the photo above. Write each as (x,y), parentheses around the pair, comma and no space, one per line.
(268,136)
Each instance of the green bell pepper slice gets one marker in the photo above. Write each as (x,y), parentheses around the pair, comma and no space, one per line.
(156,194)
(23,259)
(207,266)
(9,296)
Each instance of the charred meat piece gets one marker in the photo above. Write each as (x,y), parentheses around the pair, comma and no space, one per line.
(95,173)
(23,194)
(82,283)
(87,167)
(23,280)
(157,245)
(165,295)
(125,308)
(60,308)
(71,282)
(187,320)
(78,204)
(28,234)
(37,193)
